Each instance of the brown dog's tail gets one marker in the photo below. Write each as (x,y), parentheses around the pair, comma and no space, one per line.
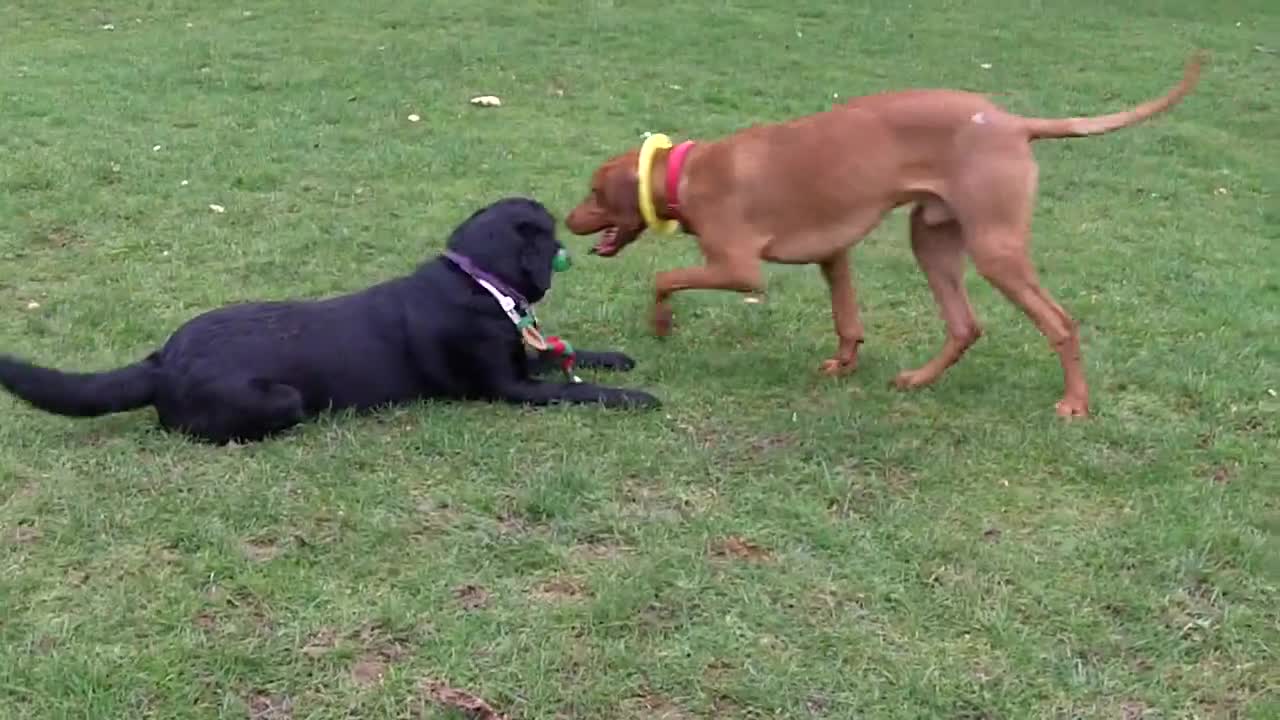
(1052,128)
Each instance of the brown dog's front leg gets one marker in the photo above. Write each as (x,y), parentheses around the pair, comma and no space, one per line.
(845,314)
(743,278)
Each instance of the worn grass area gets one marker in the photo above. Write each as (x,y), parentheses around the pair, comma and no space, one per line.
(771,543)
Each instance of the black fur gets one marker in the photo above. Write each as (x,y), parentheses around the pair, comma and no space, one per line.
(244,372)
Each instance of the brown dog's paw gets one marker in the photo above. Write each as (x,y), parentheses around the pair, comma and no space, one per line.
(662,320)
(835,367)
(1072,408)
(912,379)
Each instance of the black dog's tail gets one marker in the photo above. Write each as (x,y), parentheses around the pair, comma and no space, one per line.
(82,394)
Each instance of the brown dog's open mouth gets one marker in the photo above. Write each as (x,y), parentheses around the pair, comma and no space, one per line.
(610,242)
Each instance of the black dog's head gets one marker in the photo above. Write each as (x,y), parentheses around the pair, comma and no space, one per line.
(515,239)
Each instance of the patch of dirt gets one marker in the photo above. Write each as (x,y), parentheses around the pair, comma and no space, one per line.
(321,643)
(599,549)
(768,443)
(168,555)
(1133,710)
(510,523)
(246,612)
(1229,707)
(559,589)
(45,645)
(369,670)
(652,707)
(817,704)
(1222,475)
(471,597)
(26,534)
(716,673)
(62,236)
(260,550)
(658,617)
(377,639)
(725,707)
(436,515)
(1195,610)
(736,547)
(697,502)
(472,705)
(269,707)
(27,491)
(703,438)
(991,534)
(324,529)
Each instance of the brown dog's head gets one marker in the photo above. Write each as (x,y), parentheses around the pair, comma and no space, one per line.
(612,208)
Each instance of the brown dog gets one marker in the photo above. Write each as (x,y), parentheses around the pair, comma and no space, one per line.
(807,190)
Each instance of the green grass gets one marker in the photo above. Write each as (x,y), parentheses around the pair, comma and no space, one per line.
(953,553)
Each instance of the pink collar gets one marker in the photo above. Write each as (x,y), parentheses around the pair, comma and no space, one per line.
(675,164)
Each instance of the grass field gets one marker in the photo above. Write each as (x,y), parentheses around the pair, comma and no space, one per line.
(771,543)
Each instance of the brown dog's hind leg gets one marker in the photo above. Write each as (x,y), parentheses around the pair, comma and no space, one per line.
(1001,257)
(844,313)
(743,277)
(939,251)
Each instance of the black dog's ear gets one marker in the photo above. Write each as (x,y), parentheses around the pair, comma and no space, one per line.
(537,231)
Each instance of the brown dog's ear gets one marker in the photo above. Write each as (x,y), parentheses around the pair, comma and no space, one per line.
(620,187)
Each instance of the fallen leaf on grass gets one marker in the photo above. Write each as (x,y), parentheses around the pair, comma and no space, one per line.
(486,101)
(475,708)
(739,548)
(217,208)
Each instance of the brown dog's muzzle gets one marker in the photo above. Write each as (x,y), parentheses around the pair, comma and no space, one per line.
(612,240)
(612,237)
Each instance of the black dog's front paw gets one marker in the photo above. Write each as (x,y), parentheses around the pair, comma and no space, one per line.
(619,362)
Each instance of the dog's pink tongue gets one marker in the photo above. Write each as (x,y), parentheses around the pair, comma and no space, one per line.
(608,243)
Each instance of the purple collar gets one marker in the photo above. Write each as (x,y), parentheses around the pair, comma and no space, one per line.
(468,267)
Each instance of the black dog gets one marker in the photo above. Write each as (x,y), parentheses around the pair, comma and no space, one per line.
(244,372)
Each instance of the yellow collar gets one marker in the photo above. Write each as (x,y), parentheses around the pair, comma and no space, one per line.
(644,170)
